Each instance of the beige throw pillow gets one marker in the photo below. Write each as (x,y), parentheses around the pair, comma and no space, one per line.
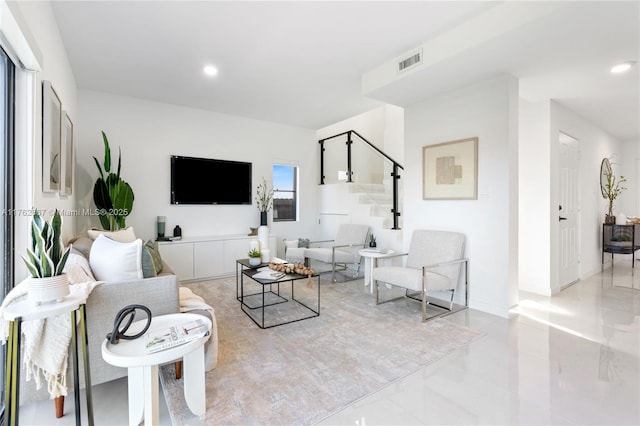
(125,235)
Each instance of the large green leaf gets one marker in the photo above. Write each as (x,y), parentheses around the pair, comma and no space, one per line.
(101,195)
(123,201)
(107,154)
(112,196)
(99,168)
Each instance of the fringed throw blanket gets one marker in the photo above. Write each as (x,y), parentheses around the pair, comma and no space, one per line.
(45,343)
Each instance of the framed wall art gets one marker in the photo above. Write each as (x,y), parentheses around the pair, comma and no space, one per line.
(66,158)
(51,138)
(450,170)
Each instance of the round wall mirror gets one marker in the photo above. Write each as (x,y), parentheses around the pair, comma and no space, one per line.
(605,171)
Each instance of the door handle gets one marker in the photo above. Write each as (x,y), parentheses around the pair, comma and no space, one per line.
(561,218)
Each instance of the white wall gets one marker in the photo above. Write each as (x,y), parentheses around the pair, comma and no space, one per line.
(148,133)
(595,144)
(37,24)
(535,176)
(487,110)
(630,199)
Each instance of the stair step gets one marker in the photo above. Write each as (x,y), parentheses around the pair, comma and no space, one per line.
(381,210)
(378,198)
(367,188)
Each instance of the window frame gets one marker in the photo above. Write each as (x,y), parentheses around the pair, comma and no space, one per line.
(295,191)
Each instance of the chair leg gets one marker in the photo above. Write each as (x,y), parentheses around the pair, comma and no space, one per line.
(59,403)
(424,305)
(178,367)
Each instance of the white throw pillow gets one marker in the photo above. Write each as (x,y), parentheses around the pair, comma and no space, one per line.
(125,235)
(114,261)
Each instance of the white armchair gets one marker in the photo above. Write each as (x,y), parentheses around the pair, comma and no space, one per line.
(348,242)
(433,263)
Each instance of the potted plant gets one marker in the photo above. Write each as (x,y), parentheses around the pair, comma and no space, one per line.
(45,260)
(254,257)
(372,240)
(112,195)
(264,200)
(611,188)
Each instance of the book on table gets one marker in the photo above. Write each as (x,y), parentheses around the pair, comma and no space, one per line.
(175,335)
(268,274)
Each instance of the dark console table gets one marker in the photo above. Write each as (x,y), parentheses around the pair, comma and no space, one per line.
(620,239)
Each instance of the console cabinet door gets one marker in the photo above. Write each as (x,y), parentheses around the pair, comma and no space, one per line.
(234,250)
(208,257)
(179,256)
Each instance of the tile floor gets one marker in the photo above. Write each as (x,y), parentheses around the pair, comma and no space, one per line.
(573,359)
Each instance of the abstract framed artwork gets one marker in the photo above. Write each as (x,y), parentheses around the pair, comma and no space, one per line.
(51,138)
(450,170)
(66,158)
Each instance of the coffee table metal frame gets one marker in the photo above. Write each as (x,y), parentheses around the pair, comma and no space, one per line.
(292,278)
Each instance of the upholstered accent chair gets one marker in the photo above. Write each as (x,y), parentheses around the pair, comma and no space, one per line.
(350,239)
(434,263)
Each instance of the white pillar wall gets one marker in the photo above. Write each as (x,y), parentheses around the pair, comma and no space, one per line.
(489,111)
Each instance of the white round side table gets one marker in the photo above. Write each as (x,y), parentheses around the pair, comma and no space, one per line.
(143,367)
(18,312)
(373,255)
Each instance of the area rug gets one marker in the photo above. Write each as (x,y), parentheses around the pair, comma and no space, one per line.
(302,372)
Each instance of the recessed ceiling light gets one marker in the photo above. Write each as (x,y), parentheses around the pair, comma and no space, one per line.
(622,67)
(210,70)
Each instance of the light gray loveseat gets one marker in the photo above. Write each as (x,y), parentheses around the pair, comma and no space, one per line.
(160,294)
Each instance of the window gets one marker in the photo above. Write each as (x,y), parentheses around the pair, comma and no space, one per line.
(285,196)
(7,155)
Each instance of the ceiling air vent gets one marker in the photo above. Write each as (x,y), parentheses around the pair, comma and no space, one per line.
(411,61)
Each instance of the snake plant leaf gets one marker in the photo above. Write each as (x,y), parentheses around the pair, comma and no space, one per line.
(107,153)
(38,241)
(32,264)
(46,264)
(63,261)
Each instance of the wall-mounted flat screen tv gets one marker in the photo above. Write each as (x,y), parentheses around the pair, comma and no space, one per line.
(209,181)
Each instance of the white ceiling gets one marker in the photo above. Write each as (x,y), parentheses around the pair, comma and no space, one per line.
(301,63)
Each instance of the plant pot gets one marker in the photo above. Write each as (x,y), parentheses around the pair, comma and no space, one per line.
(254,261)
(609,219)
(372,244)
(42,290)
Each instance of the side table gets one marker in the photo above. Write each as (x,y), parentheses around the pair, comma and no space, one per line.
(372,255)
(24,310)
(143,367)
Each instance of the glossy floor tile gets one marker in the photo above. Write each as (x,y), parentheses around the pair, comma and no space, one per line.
(571,359)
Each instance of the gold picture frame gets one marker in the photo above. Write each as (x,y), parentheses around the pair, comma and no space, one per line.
(450,170)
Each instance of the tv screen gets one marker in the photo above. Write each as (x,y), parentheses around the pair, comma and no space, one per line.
(209,181)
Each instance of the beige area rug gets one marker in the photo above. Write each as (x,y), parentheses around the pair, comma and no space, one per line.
(302,372)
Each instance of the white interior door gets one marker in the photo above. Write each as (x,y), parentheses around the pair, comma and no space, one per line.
(569,210)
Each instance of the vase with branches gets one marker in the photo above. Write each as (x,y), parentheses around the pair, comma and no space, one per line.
(264,200)
(612,188)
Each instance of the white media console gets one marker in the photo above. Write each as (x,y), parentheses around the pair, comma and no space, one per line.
(197,258)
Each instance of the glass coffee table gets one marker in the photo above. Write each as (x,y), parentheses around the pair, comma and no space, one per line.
(274,302)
